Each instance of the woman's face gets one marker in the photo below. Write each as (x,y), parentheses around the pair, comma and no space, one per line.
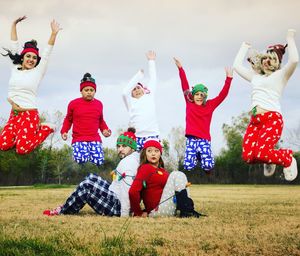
(29,61)
(153,155)
(137,92)
(270,63)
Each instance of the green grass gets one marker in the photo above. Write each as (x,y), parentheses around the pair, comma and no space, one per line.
(242,220)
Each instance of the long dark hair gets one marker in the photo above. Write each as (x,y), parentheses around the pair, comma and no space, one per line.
(143,159)
(17,59)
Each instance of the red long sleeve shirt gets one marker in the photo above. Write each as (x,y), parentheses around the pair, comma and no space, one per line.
(86,117)
(155,180)
(198,117)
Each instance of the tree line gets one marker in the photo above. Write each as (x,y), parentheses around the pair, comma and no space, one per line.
(49,164)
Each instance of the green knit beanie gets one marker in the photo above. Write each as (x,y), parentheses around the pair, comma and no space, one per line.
(199,88)
(128,139)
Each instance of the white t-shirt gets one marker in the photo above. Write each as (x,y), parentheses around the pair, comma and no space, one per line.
(128,166)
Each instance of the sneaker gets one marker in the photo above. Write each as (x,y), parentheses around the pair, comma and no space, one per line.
(291,172)
(269,169)
(53,212)
(51,126)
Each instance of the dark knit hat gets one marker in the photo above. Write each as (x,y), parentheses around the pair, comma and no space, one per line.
(87,80)
(128,138)
(279,49)
(153,143)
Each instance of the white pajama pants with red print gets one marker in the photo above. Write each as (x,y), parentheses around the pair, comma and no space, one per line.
(260,139)
(23,131)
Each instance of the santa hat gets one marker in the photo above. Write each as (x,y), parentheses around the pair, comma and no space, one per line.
(279,49)
(153,143)
(128,138)
(87,80)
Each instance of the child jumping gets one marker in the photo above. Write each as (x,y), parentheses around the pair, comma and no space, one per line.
(23,129)
(140,103)
(199,113)
(268,81)
(86,116)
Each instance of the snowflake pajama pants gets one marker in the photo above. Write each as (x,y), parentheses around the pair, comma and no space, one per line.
(94,191)
(198,150)
(92,151)
(141,140)
(262,134)
(177,181)
(23,131)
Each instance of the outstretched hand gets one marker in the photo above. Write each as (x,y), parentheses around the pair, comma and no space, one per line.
(229,72)
(106,133)
(151,55)
(64,136)
(177,62)
(55,27)
(20,19)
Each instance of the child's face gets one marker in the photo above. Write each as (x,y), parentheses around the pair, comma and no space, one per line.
(88,93)
(153,155)
(199,98)
(137,92)
(29,61)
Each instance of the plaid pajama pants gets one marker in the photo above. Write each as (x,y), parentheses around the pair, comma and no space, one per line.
(262,134)
(23,131)
(94,191)
(198,150)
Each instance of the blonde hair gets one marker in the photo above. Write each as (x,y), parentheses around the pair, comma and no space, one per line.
(255,59)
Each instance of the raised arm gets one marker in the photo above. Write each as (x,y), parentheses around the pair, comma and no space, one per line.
(151,56)
(13,32)
(293,56)
(132,83)
(244,72)
(55,28)
(14,35)
(184,82)
(224,92)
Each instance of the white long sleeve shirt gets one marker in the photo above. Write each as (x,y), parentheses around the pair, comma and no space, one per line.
(142,111)
(267,90)
(24,84)
(128,166)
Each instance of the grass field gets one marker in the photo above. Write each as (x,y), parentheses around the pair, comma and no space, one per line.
(242,220)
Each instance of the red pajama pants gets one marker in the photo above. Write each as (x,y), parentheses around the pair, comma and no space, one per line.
(23,131)
(260,139)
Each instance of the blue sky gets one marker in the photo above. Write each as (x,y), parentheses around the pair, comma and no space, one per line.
(109,39)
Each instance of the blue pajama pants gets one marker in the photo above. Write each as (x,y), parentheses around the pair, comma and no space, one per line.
(198,150)
(141,140)
(88,151)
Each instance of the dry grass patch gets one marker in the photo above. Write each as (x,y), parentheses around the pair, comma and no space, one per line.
(242,220)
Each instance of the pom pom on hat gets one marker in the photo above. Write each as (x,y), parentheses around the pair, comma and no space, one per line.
(153,143)
(87,80)
(128,138)
(279,49)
